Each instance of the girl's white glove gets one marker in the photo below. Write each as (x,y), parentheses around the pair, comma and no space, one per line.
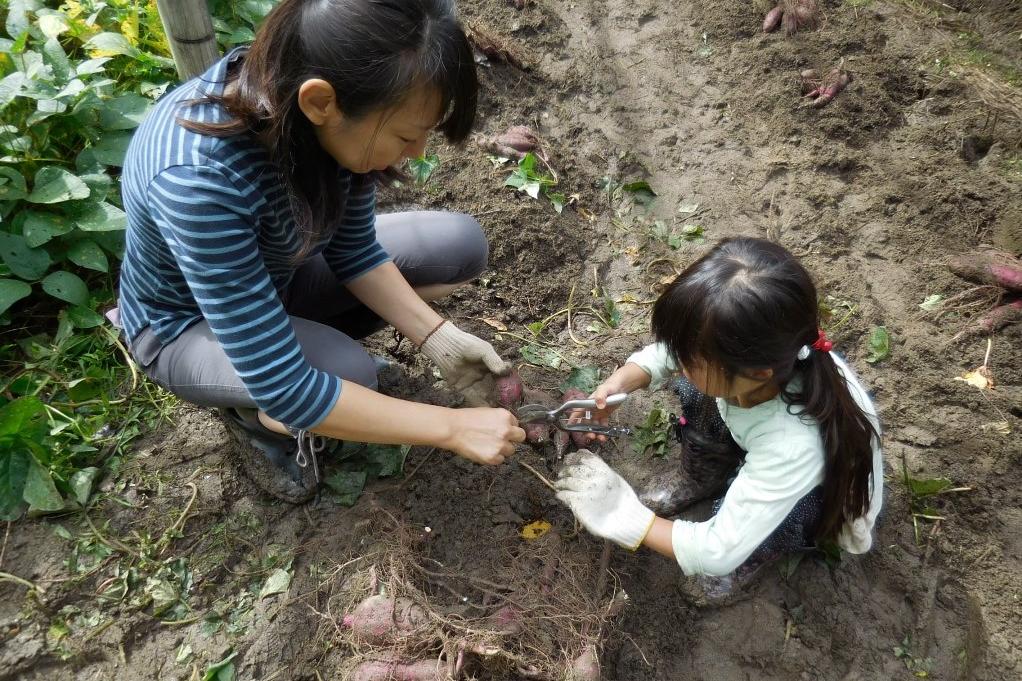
(466,362)
(602,501)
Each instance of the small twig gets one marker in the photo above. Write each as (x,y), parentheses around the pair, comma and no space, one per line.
(8,577)
(114,544)
(425,458)
(3,549)
(168,535)
(604,569)
(538,475)
(190,620)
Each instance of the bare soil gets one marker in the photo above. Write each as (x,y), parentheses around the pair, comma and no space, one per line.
(916,161)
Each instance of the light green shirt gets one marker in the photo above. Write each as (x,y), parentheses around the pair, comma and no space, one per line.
(783,463)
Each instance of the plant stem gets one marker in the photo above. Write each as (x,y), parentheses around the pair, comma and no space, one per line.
(538,475)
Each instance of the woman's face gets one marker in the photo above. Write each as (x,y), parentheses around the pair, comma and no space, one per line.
(381,138)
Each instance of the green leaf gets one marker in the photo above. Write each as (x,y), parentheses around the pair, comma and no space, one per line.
(220,671)
(422,167)
(533,188)
(385,461)
(164,594)
(53,185)
(52,23)
(40,227)
(27,263)
(82,482)
(541,356)
(584,378)
(932,302)
(111,148)
(558,200)
(12,183)
(927,487)
(11,291)
(98,217)
(612,311)
(67,287)
(346,486)
(640,191)
(879,345)
(91,66)
(88,254)
(14,416)
(40,493)
(56,58)
(114,43)
(278,582)
(125,112)
(83,317)
(14,464)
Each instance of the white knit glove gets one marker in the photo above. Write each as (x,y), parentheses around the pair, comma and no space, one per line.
(602,501)
(467,363)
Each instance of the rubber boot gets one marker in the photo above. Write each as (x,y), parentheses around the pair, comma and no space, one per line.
(709,457)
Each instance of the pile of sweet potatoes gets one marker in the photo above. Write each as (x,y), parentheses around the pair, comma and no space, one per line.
(512,394)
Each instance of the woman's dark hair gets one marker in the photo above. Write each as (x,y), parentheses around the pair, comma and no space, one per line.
(749,305)
(373,53)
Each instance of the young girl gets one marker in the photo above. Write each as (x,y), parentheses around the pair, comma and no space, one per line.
(254,254)
(742,324)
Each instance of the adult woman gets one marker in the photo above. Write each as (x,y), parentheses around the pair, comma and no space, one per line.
(254,254)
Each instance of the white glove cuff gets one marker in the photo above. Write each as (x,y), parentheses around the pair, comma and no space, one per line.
(635,523)
(442,343)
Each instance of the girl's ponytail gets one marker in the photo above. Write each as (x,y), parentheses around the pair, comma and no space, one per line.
(848,436)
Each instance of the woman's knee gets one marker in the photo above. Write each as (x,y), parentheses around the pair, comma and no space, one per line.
(470,250)
(335,353)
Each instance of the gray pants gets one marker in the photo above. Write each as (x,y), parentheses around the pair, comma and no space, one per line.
(428,248)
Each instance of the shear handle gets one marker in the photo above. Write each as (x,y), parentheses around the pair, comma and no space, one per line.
(595,428)
(612,401)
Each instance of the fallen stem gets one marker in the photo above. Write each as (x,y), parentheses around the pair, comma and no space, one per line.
(168,535)
(8,577)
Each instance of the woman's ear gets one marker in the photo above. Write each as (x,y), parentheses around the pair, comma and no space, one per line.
(761,374)
(317,101)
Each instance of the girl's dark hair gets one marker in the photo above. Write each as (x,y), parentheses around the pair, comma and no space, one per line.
(749,304)
(374,53)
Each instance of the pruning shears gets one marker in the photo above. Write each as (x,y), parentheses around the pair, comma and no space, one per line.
(530,413)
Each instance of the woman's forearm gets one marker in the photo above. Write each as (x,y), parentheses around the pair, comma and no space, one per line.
(385,291)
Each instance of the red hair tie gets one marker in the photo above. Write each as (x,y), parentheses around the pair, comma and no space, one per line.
(822,343)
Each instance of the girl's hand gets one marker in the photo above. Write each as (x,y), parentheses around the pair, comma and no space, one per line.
(484,435)
(603,410)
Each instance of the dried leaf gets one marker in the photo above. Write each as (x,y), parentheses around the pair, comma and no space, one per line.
(981,378)
(278,582)
(495,323)
(535,530)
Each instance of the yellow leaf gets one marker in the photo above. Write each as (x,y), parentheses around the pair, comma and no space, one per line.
(980,378)
(535,530)
(129,27)
(999,427)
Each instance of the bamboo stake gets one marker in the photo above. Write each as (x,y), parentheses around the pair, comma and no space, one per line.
(189,29)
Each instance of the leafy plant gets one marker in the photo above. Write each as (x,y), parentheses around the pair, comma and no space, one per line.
(359,463)
(422,168)
(920,667)
(528,180)
(675,238)
(879,345)
(584,378)
(653,435)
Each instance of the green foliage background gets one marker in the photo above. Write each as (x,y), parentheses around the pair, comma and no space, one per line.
(76,78)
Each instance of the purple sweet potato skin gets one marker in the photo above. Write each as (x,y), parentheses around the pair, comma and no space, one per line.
(378,670)
(990,267)
(586,666)
(773,19)
(378,618)
(510,391)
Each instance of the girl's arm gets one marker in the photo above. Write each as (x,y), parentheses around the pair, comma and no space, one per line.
(660,537)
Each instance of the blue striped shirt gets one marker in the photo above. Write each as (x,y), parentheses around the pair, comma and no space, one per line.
(211,236)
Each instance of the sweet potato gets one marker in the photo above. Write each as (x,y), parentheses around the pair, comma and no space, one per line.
(383,670)
(506,621)
(793,15)
(1000,316)
(509,391)
(822,92)
(379,618)
(586,666)
(990,267)
(515,143)
(772,19)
